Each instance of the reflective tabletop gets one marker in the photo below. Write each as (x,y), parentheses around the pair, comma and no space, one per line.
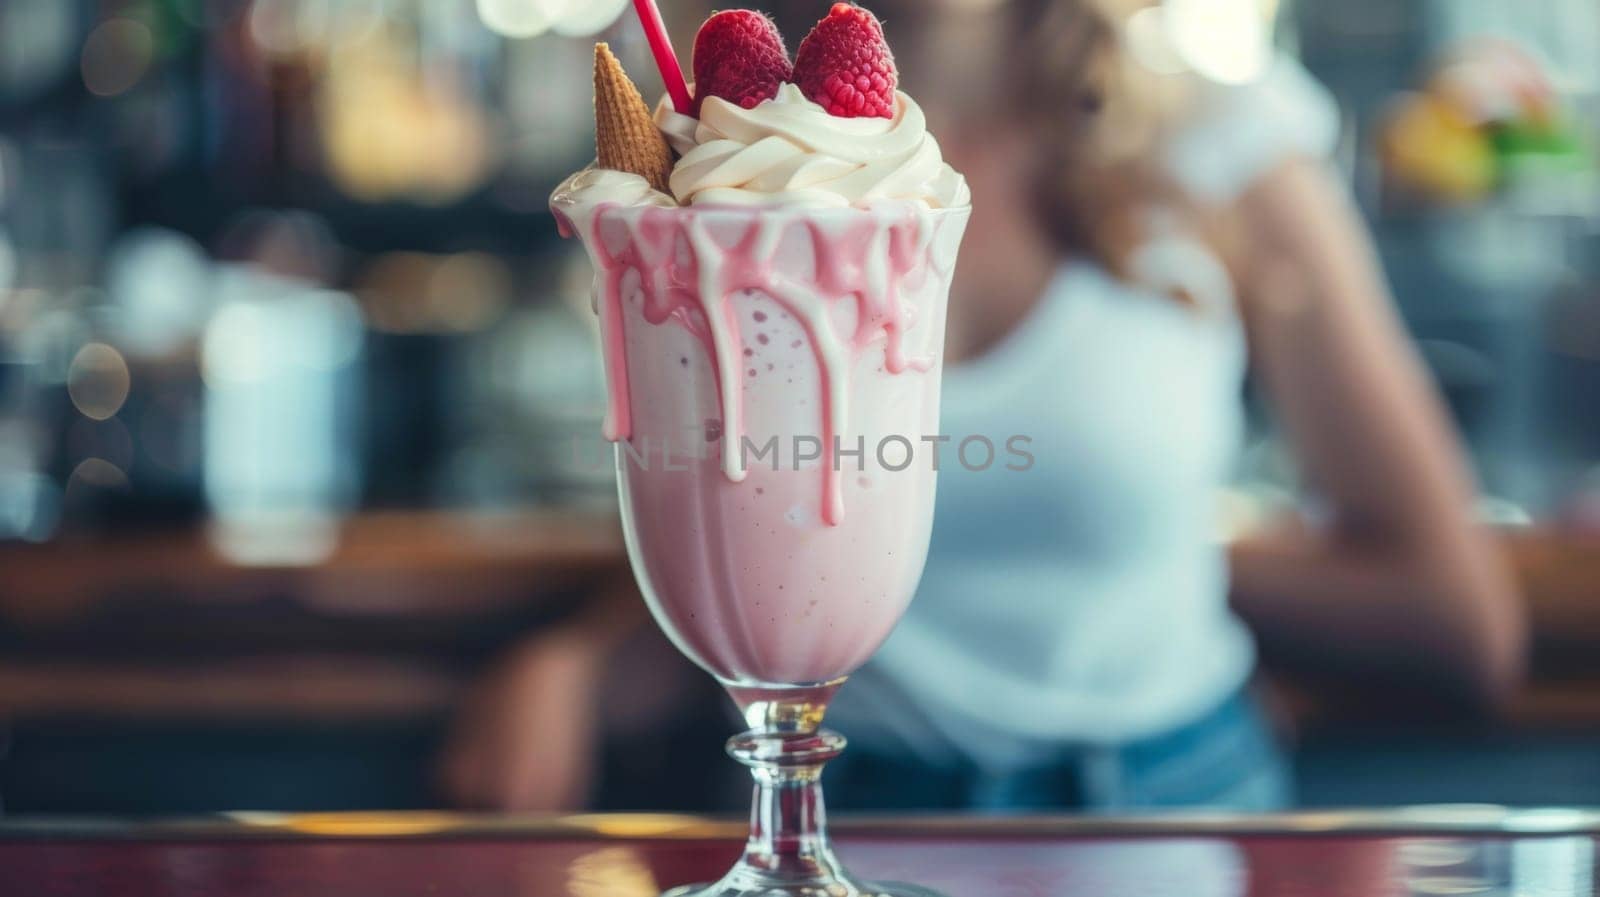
(1416,851)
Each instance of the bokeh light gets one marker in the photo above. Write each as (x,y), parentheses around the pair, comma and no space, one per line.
(93,474)
(116,55)
(1224,40)
(524,18)
(157,280)
(586,17)
(231,353)
(467,290)
(389,131)
(98,381)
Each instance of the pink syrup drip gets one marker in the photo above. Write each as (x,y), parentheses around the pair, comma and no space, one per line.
(843,263)
(659,250)
(832,484)
(618,423)
(673,271)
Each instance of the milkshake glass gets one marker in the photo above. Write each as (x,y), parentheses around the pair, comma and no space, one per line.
(773,372)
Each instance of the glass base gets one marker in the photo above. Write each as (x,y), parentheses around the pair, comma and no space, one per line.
(725,888)
(788,853)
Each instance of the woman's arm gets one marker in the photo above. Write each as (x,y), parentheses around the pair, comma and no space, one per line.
(1400,582)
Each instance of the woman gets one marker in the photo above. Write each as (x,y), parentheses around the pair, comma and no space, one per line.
(1135,241)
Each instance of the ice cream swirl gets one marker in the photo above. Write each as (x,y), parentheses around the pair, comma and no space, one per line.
(593,186)
(790,151)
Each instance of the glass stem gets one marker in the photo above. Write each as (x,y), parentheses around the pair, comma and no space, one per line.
(788,838)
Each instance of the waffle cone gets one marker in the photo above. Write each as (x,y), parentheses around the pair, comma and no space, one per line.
(625,135)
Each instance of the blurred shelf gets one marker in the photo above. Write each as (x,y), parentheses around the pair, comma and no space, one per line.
(302,689)
(405,608)
(1560,575)
(384,563)
(410,605)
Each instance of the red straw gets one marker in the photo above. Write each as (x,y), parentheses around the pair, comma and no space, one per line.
(655,30)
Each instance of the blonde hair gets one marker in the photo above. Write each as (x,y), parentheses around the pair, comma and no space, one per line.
(1056,68)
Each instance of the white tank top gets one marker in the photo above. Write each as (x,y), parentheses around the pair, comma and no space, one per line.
(1085,599)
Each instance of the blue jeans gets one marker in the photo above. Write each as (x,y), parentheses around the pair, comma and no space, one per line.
(1226,760)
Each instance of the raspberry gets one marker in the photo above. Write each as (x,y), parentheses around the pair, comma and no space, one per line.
(739,56)
(845,66)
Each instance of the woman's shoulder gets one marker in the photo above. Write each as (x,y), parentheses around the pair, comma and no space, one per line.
(1235,133)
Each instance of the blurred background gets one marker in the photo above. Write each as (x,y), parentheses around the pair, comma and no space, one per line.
(299,393)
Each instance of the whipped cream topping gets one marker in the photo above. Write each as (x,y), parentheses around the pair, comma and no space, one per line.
(790,151)
(591,187)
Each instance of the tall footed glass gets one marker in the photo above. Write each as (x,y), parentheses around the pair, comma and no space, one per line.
(774,392)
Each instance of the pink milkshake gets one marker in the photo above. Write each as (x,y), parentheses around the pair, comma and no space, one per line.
(743,346)
(771,296)
(792,287)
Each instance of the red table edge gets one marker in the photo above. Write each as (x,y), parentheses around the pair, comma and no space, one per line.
(1444,819)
